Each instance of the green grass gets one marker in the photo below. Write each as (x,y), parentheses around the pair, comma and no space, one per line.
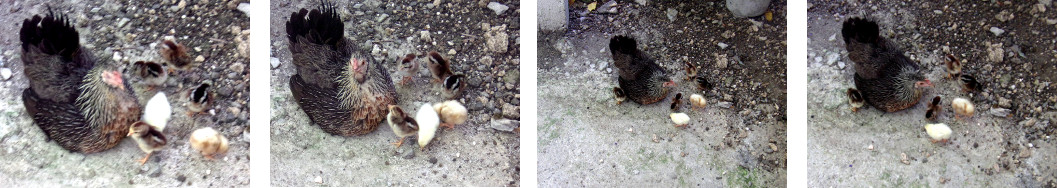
(743,177)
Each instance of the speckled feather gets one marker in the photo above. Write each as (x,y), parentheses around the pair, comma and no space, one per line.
(639,76)
(883,74)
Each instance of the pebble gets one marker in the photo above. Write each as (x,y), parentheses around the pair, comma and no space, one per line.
(671,14)
(832,57)
(1004,102)
(904,158)
(841,64)
(318,179)
(200,58)
(511,111)
(497,39)
(997,31)
(995,52)
(505,125)
(5,73)
(451,52)
(424,35)
(721,60)
(499,8)
(1000,112)
(747,8)
(608,7)
(244,7)
(724,104)
(275,62)
(722,45)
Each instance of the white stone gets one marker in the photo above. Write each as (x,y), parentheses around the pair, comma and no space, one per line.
(499,8)
(5,73)
(275,62)
(747,8)
(997,31)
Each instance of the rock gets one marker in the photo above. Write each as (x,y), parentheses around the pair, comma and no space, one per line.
(424,35)
(747,8)
(318,179)
(1000,112)
(1004,103)
(245,8)
(553,15)
(497,39)
(642,2)
(504,125)
(499,8)
(511,111)
(722,45)
(451,52)
(671,14)
(721,60)
(608,7)
(724,104)
(5,73)
(997,31)
(995,53)
(275,62)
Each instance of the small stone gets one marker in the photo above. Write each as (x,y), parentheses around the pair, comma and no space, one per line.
(773,146)
(995,53)
(505,125)
(497,39)
(671,13)
(870,147)
(840,64)
(721,60)
(655,139)
(904,158)
(200,58)
(1004,102)
(117,56)
(747,8)
(275,62)
(724,104)
(722,45)
(424,35)
(318,179)
(511,111)
(451,52)
(499,8)
(487,60)
(1000,112)
(5,73)
(997,31)
(244,8)
(641,2)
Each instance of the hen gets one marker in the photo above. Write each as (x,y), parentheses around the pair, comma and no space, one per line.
(886,78)
(642,80)
(339,88)
(82,104)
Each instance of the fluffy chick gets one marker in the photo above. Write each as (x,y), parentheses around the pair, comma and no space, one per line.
(691,70)
(153,74)
(158,111)
(148,137)
(428,121)
(939,132)
(439,66)
(954,66)
(408,69)
(175,54)
(451,113)
(969,83)
(855,99)
(680,119)
(454,85)
(402,124)
(201,98)
(934,109)
(698,101)
(962,107)
(619,95)
(208,142)
(677,101)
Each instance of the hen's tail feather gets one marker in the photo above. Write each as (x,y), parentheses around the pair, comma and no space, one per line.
(319,26)
(622,44)
(52,35)
(860,30)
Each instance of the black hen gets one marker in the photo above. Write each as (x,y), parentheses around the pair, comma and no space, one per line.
(887,79)
(340,89)
(84,105)
(642,80)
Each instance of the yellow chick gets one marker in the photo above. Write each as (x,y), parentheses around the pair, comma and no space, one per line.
(209,142)
(696,100)
(451,113)
(428,121)
(680,119)
(939,132)
(962,107)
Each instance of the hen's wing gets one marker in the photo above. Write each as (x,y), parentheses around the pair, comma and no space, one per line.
(627,57)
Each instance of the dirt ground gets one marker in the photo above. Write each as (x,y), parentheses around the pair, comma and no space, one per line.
(131,30)
(481,152)
(585,138)
(866,148)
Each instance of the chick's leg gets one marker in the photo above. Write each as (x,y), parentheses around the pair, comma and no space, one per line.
(144,160)
(400,143)
(448,125)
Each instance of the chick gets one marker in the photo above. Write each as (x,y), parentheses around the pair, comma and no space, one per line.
(209,142)
(428,121)
(962,107)
(934,109)
(696,100)
(408,69)
(680,119)
(158,111)
(691,70)
(401,124)
(619,95)
(153,74)
(451,113)
(149,138)
(439,66)
(855,99)
(702,83)
(175,54)
(969,83)
(954,66)
(454,85)
(939,132)
(201,98)
(676,101)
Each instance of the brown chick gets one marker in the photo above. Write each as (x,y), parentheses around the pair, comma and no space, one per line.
(691,70)
(153,74)
(84,105)
(336,85)
(201,98)
(208,142)
(147,137)
(439,66)
(642,79)
(408,69)
(855,99)
(402,124)
(454,85)
(886,78)
(175,54)
(934,109)
(619,95)
(954,66)
(676,102)
(969,83)
(702,83)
